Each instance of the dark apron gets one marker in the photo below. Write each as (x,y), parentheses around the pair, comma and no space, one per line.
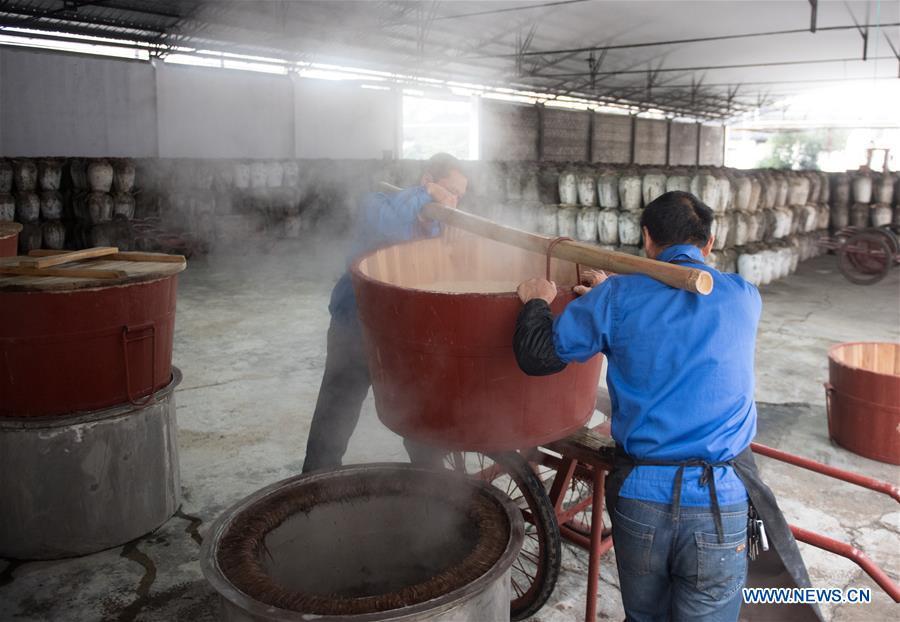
(781,540)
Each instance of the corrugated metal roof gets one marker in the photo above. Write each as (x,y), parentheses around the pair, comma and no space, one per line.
(704,59)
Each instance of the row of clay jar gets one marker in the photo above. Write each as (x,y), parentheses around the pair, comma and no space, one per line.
(46,174)
(721,189)
(92,207)
(864,187)
(864,215)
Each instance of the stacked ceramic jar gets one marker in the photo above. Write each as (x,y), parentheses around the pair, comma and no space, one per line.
(7,200)
(27,203)
(268,196)
(103,203)
(773,217)
(53,231)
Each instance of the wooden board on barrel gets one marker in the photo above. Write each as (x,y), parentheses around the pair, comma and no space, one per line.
(85,341)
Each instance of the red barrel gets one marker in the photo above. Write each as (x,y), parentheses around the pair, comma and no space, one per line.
(442,364)
(863,399)
(75,344)
(9,238)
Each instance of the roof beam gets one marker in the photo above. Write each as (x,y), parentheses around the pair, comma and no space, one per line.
(624,46)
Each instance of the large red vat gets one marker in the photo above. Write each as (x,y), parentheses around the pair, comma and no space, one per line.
(442,365)
(9,238)
(70,344)
(863,399)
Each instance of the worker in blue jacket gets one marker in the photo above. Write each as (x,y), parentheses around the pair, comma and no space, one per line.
(383,219)
(681,380)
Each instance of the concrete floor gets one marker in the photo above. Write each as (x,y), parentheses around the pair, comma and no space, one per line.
(250,341)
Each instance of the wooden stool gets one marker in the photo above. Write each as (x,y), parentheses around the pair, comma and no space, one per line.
(588,455)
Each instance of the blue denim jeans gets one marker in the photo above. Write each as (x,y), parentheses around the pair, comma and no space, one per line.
(673,567)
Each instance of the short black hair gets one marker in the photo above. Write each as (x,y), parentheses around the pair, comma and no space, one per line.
(442,164)
(678,218)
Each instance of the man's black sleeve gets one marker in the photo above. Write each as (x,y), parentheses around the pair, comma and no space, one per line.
(533,341)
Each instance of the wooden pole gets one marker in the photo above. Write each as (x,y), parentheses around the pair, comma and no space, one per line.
(690,279)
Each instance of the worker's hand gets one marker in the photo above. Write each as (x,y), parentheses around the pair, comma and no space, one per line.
(537,288)
(440,194)
(589,280)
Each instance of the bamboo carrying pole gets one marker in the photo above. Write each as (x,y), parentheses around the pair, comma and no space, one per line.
(690,279)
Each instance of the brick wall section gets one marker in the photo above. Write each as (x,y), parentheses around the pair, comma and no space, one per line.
(650,137)
(683,144)
(612,138)
(711,139)
(508,132)
(565,135)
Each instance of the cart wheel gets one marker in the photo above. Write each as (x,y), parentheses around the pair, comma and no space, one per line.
(536,569)
(889,232)
(865,258)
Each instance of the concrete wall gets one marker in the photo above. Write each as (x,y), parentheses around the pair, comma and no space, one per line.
(651,137)
(60,104)
(712,138)
(508,131)
(611,140)
(565,135)
(683,144)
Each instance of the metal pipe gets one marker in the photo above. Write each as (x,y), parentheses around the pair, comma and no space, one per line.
(853,554)
(818,467)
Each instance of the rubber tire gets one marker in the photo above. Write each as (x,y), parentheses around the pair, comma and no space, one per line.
(545,521)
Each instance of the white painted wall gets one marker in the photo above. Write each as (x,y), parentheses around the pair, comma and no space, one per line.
(342,120)
(59,104)
(221,113)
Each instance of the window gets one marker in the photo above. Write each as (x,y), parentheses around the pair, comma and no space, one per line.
(439,125)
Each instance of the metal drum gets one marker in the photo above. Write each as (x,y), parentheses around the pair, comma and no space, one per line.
(438,317)
(863,399)
(80,344)
(365,543)
(9,238)
(82,483)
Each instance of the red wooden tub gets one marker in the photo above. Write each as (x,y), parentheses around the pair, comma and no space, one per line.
(442,364)
(74,344)
(863,399)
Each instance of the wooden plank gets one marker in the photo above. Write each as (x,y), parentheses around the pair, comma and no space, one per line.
(586,446)
(120,256)
(75,273)
(67,257)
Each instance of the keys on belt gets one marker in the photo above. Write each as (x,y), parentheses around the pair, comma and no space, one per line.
(756,534)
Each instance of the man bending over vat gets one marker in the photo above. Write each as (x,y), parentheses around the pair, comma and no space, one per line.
(383,219)
(681,381)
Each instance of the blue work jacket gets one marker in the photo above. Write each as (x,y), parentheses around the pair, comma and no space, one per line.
(383,219)
(680,373)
